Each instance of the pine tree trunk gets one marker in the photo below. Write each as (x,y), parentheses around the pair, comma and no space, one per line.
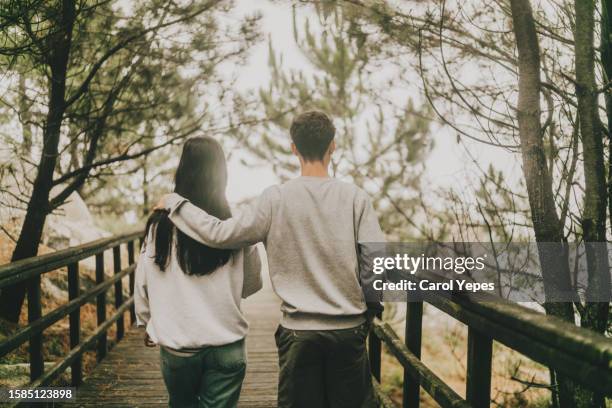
(606,62)
(11,298)
(546,224)
(552,249)
(595,197)
(595,315)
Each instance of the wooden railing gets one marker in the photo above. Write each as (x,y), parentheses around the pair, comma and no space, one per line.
(579,354)
(30,271)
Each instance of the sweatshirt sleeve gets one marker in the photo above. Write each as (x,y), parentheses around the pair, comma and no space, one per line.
(370,242)
(246,228)
(141,296)
(252,272)
(368,227)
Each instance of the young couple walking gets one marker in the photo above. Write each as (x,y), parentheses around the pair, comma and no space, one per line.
(197,263)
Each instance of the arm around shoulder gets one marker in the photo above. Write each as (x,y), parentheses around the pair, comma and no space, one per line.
(248,227)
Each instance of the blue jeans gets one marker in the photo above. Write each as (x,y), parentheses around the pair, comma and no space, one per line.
(211,378)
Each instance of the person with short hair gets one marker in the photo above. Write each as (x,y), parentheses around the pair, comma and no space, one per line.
(311,227)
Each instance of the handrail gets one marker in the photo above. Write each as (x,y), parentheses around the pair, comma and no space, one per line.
(383,399)
(547,329)
(30,271)
(75,353)
(579,354)
(591,366)
(58,368)
(21,336)
(438,389)
(21,270)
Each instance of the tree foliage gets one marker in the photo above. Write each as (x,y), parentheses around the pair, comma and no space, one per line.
(94,85)
(382,146)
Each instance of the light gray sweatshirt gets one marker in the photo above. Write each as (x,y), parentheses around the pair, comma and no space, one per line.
(187,312)
(310,227)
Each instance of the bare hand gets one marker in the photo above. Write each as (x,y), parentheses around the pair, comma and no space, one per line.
(161,204)
(148,342)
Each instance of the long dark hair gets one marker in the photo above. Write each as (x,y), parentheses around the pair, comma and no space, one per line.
(201,177)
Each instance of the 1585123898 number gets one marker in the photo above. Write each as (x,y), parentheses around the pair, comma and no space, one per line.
(42,394)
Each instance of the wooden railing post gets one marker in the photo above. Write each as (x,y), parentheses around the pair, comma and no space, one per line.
(37,363)
(100,307)
(130,247)
(118,291)
(75,323)
(480,352)
(412,338)
(27,273)
(374,349)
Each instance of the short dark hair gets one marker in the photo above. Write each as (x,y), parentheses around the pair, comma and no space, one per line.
(312,132)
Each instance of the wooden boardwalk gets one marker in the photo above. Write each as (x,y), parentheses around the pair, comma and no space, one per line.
(130,377)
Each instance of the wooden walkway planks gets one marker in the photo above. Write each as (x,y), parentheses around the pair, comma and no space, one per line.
(130,377)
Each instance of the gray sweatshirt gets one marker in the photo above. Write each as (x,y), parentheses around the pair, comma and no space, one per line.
(310,227)
(186,312)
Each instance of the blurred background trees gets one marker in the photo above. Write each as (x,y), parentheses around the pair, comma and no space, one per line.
(382,142)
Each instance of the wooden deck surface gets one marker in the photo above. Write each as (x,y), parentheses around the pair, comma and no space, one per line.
(130,377)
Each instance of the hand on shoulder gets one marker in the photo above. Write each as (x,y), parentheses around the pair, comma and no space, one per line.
(161,204)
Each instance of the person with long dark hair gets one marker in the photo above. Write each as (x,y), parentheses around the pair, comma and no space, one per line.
(188,294)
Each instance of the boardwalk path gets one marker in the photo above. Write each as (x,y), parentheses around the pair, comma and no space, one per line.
(129,376)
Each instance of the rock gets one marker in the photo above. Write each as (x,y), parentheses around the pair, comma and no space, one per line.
(71,224)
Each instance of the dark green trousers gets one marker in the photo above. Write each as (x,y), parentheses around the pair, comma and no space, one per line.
(324,368)
(211,378)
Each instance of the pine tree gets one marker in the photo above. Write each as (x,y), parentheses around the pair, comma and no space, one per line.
(380,147)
